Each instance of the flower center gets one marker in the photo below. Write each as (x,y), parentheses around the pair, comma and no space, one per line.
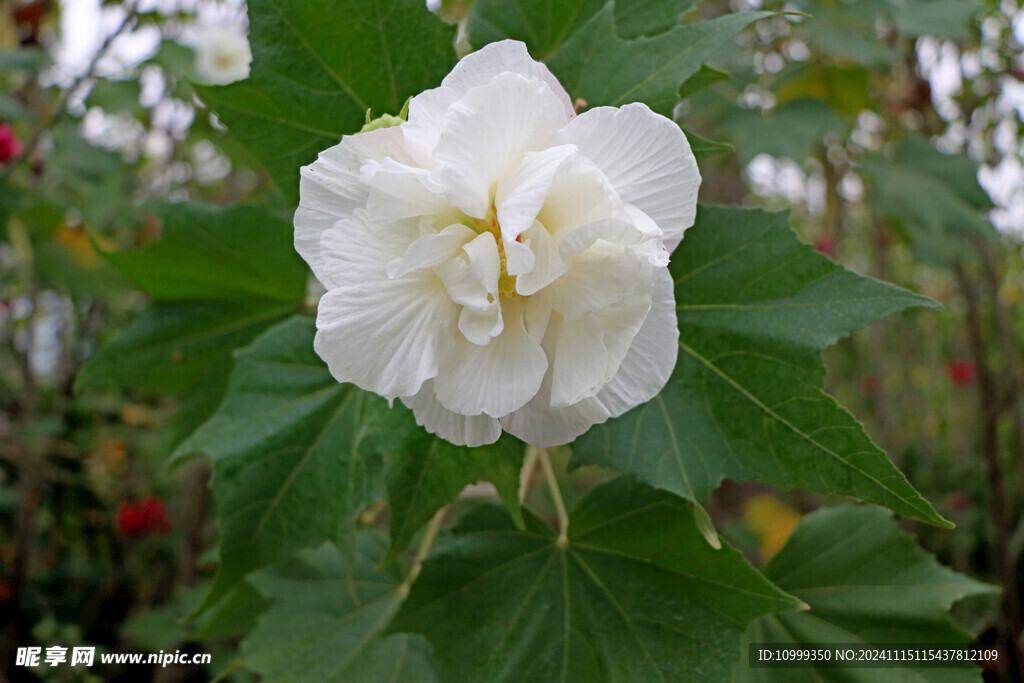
(506,282)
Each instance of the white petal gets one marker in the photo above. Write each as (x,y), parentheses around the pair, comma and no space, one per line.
(652,355)
(479,328)
(579,194)
(494,379)
(521,194)
(400,191)
(538,424)
(431,250)
(617,231)
(478,68)
(648,160)
(548,262)
(603,275)
(484,261)
(588,351)
(386,336)
(461,430)
(487,132)
(426,117)
(330,189)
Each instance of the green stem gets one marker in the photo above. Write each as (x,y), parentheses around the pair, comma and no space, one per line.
(556,497)
(429,536)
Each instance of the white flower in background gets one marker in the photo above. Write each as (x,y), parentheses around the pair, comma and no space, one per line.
(222,55)
(498,262)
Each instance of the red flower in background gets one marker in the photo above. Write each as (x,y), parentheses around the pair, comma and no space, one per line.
(10,145)
(961,372)
(147,516)
(826,244)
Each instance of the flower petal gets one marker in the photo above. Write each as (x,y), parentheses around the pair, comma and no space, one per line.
(487,132)
(521,194)
(431,250)
(648,160)
(400,191)
(330,189)
(548,264)
(384,335)
(461,430)
(497,378)
(480,67)
(588,351)
(538,424)
(648,365)
(604,274)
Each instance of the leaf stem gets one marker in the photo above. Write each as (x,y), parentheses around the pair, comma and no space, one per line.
(556,497)
(429,536)
(526,474)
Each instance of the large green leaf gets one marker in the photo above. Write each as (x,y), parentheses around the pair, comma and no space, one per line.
(212,253)
(935,197)
(598,66)
(318,65)
(169,346)
(219,276)
(866,581)
(745,401)
(791,131)
(291,462)
(637,594)
(425,473)
(325,621)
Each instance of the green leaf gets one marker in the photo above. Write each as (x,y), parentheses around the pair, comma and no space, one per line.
(169,346)
(219,276)
(210,253)
(865,581)
(790,132)
(703,148)
(950,19)
(745,401)
(647,17)
(115,96)
(291,463)
(318,65)
(424,473)
(935,197)
(704,77)
(542,24)
(598,66)
(325,621)
(637,594)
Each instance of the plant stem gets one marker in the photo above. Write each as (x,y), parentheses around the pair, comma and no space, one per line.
(429,536)
(556,497)
(529,467)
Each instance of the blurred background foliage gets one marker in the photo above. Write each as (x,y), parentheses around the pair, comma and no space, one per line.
(871,121)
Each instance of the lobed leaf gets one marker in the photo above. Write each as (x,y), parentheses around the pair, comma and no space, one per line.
(745,401)
(865,581)
(636,595)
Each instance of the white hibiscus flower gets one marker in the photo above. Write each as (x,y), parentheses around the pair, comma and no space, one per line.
(498,262)
(222,55)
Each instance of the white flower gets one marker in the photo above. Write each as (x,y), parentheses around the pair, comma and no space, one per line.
(498,262)
(222,55)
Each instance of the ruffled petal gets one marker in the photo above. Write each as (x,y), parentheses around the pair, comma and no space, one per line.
(648,160)
(461,430)
(330,189)
(522,193)
(651,358)
(497,378)
(384,335)
(478,68)
(588,351)
(431,250)
(604,274)
(400,191)
(487,132)
(538,424)
(548,264)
